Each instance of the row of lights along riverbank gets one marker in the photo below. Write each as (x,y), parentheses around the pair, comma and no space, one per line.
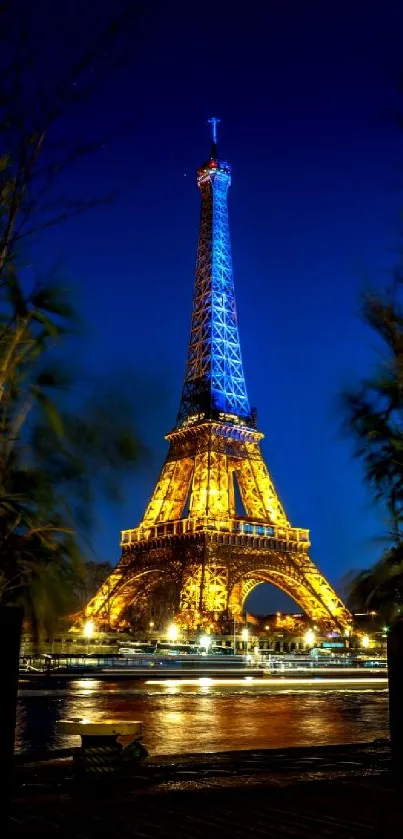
(205,642)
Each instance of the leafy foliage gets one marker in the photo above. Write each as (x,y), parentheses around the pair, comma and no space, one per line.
(374,415)
(62,447)
(63,444)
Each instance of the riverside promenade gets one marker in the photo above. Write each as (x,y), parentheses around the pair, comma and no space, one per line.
(343,791)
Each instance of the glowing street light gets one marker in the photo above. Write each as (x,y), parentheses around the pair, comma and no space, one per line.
(88,629)
(245,639)
(151,624)
(205,642)
(173,632)
(365,641)
(310,638)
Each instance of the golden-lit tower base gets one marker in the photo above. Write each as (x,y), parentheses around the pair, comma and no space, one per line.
(191,536)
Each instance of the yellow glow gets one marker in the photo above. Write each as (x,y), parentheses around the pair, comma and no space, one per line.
(310,637)
(245,634)
(88,629)
(151,624)
(172,632)
(274,682)
(205,641)
(365,641)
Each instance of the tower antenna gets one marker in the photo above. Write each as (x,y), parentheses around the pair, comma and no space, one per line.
(213,121)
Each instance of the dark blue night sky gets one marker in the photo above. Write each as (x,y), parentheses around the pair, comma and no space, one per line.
(306,92)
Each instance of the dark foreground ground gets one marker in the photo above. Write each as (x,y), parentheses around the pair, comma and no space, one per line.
(343,792)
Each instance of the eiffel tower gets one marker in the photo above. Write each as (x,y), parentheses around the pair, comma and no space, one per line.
(191,540)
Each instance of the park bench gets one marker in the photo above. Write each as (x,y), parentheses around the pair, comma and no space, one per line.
(108,748)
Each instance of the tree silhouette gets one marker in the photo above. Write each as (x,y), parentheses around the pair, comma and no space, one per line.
(374,416)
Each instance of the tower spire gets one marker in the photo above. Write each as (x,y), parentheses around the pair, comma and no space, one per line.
(214,381)
(213,121)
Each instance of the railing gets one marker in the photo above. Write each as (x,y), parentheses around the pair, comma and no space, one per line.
(239,527)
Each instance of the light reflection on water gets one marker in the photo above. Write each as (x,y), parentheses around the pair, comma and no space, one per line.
(207,718)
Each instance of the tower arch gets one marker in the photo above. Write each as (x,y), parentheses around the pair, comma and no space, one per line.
(137,587)
(302,597)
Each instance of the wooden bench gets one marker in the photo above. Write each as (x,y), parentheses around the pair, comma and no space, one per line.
(101,754)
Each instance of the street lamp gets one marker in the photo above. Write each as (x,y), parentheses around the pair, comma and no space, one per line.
(88,631)
(151,625)
(205,642)
(245,636)
(173,632)
(310,638)
(365,641)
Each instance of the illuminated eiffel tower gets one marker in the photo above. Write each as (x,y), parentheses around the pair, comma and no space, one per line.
(191,539)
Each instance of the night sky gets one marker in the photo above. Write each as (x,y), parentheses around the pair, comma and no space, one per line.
(306,92)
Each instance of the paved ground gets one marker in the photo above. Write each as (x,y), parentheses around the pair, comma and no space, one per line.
(350,794)
(343,809)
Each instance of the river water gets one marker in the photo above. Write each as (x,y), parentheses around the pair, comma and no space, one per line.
(182,718)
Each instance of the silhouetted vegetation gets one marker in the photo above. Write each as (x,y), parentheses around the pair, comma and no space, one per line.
(64,443)
(374,415)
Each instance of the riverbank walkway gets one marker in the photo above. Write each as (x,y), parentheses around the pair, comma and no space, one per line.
(346,792)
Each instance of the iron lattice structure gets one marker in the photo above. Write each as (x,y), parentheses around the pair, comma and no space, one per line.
(191,538)
(214,379)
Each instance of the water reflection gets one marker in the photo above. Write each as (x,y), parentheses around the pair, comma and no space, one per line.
(207,717)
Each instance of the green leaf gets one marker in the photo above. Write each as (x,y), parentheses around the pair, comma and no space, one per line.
(52,414)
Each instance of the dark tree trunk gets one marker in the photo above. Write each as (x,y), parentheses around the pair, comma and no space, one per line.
(10,635)
(395,671)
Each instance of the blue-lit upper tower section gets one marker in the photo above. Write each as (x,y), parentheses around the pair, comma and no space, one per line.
(214,386)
